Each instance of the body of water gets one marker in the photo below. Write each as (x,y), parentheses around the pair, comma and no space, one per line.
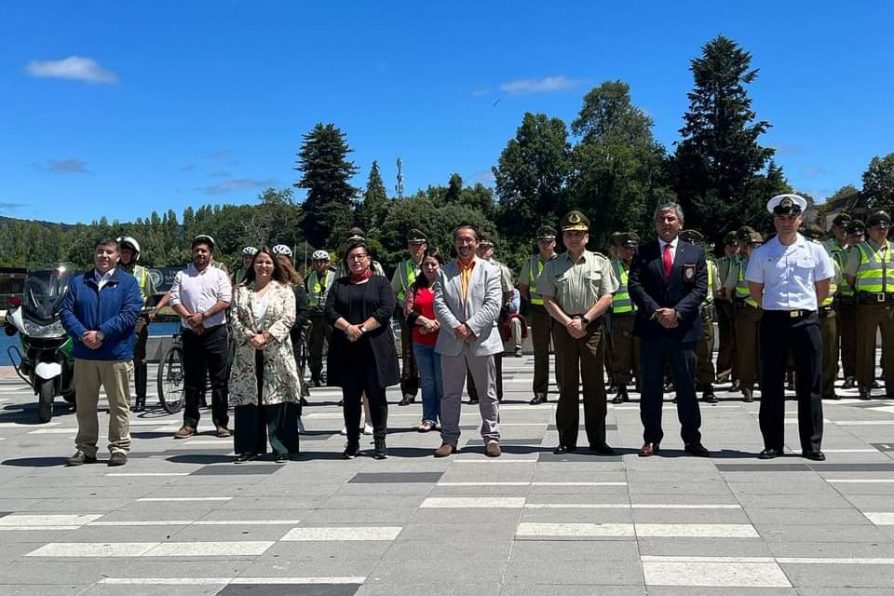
(6,341)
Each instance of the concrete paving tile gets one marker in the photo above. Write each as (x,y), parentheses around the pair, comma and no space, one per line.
(396,477)
(593,563)
(362,516)
(811,591)
(840,576)
(379,490)
(280,590)
(823,501)
(444,535)
(825,533)
(690,516)
(604,516)
(677,571)
(225,533)
(144,590)
(832,549)
(435,586)
(121,534)
(373,502)
(526,589)
(724,591)
(403,563)
(466,516)
(278,503)
(332,552)
(42,590)
(519,489)
(809,517)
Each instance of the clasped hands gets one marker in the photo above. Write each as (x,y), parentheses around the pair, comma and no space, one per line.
(259,341)
(428,326)
(91,340)
(353,332)
(196,323)
(576,328)
(463,333)
(667,318)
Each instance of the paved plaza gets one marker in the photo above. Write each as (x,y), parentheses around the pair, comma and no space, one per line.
(181,518)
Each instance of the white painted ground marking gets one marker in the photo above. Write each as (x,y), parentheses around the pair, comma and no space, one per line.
(218,581)
(25,424)
(879,518)
(342,533)
(865,422)
(502,460)
(623,506)
(696,531)
(93,549)
(34,528)
(201,522)
(607,483)
(473,503)
(860,480)
(146,474)
(847,451)
(832,561)
(36,521)
(483,484)
(726,574)
(176,499)
(576,530)
(53,431)
(209,549)
(153,522)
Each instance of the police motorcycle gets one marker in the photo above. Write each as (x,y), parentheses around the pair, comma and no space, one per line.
(45,360)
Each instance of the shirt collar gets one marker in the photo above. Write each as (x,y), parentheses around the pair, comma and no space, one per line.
(672,243)
(463,267)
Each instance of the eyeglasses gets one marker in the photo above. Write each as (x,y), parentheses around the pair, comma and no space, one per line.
(357,257)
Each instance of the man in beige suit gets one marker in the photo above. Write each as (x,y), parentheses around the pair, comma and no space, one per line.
(467,304)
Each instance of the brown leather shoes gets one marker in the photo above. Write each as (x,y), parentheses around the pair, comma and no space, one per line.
(492,449)
(445,450)
(185,432)
(648,449)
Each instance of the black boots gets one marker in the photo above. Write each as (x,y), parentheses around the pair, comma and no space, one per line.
(140,379)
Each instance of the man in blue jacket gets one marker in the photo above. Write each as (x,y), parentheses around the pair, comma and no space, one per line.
(100,312)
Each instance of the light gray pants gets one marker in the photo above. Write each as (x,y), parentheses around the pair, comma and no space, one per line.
(484,375)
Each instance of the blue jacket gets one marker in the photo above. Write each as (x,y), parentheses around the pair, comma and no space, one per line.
(113,311)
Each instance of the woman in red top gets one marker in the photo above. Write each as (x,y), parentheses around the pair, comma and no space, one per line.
(419,309)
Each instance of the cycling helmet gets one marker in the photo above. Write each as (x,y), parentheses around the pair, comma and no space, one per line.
(204,239)
(320,255)
(132,243)
(249,251)
(282,250)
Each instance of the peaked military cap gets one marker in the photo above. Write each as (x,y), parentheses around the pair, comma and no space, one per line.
(575,221)
(855,226)
(842,219)
(787,204)
(693,236)
(416,236)
(744,233)
(546,233)
(630,239)
(730,238)
(879,218)
(356,235)
(813,232)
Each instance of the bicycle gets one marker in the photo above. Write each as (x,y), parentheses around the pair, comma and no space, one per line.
(171,376)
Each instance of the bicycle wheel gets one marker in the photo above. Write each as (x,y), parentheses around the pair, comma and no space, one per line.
(171,384)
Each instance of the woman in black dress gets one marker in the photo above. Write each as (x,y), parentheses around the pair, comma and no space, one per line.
(362,356)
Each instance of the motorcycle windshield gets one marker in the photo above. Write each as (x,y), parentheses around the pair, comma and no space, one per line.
(43,292)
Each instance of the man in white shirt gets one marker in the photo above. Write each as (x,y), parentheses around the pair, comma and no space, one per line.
(201,296)
(789,277)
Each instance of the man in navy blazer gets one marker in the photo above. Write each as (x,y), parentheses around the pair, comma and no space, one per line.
(668,281)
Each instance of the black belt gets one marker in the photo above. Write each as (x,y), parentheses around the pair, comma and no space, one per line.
(790,314)
(743,304)
(825,311)
(880,297)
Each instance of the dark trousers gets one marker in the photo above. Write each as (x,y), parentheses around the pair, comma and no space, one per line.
(576,358)
(626,348)
(830,352)
(780,335)
(201,354)
(726,327)
(608,347)
(140,369)
(846,312)
(748,325)
(498,367)
(541,336)
(316,343)
(364,378)
(655,354)
(409,374)
(255,424)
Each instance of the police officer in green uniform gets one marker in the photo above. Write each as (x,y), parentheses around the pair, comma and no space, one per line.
(626,345)
(836,240)
(870,270)
(130,254)
(404,275)
(541,321)
(485,252)
(577,290)
(318,284)
(846,306)
(704,352)
(748,315)
(726,311)
(828,316)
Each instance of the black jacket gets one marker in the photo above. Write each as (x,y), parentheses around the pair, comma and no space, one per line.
(683,291)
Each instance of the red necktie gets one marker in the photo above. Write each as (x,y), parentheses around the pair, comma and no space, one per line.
(667,260)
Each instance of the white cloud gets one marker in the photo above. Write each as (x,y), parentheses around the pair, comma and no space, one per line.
(543,85)
(72,165)
(76,68)
(236,185)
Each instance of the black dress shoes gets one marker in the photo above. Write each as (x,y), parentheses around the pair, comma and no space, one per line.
(407,400)
(539,398)
(696,449)
(562,449)
(603,449)
(815,455)
(708,396)
(769,454)
(648,449)
(865,394)
(749,395)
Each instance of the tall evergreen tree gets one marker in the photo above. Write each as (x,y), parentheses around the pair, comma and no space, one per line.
(375,201)
(878,183)
(719,163)
(326,174)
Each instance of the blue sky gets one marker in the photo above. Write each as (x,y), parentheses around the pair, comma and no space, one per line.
(119,108)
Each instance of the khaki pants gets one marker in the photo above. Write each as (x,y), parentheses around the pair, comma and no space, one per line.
(704,351)
(576,359)
(869,318)
(114,377)
(626,348)
(830,351)
(748,322)
(846,315)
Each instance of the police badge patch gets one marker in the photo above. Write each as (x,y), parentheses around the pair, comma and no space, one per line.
(689,273)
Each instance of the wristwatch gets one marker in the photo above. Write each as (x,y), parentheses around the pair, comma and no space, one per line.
(362,328)
(100,335)
(584,320)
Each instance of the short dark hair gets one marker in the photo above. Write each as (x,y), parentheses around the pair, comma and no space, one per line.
(279,274)
(465,227)
(351,246)
(107,241)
